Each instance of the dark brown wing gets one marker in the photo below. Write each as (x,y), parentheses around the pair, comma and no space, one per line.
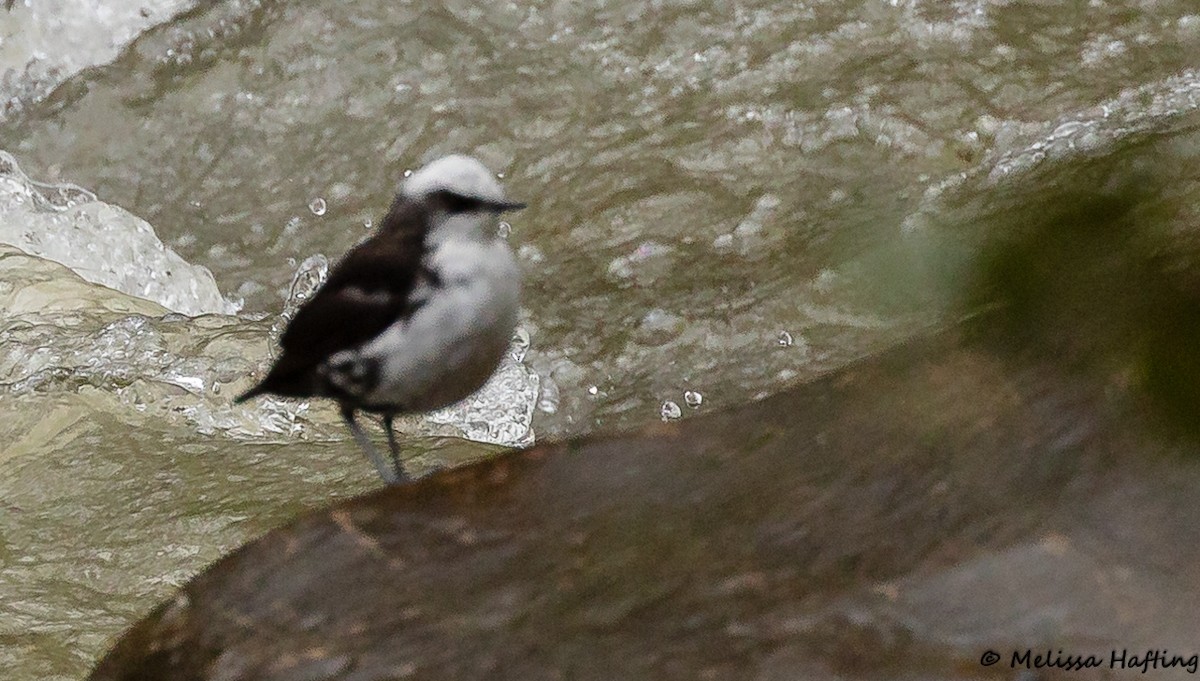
(368,290)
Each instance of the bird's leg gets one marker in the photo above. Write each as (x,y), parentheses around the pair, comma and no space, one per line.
(388,476)
(391,435)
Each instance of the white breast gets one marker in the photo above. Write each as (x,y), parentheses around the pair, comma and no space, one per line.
(449,348)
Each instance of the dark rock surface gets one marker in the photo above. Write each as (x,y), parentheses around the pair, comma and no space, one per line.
(894,520)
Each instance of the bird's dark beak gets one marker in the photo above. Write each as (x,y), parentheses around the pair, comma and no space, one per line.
(502,206)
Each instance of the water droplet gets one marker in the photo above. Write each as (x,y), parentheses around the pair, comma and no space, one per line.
(670,411)
(693,399)
(317,206)
(519,344)
(407,173)
(504,230)
(785,339)
(593,390)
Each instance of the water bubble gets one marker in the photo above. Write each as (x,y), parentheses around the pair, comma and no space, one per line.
(309,276)
(368,223)
(785,339)
(408,173)
(317,206)
(593,390)
(504,230)
(693,399)
(670,411)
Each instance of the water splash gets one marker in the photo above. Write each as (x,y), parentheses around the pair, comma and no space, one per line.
(53,41)
(60,334)
(500,413)
(102,243)
(309,276)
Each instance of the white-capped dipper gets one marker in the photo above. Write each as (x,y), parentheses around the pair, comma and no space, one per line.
(415,318)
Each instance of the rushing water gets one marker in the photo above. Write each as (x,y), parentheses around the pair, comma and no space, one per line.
(724,199)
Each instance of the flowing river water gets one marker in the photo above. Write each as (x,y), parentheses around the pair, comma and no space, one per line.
(725,199)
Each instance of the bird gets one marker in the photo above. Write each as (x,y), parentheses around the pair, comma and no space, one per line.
(414,318)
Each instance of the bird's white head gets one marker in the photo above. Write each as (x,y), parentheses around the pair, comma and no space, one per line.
(460,175)
(462,194)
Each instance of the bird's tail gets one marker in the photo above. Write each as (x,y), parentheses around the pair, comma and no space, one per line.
(283,381)
(250,394)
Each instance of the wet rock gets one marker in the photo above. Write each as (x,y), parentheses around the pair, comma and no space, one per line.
(897,519)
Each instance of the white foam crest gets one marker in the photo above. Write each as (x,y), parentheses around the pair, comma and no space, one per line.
(45,42)
(1088,132)
(102,243)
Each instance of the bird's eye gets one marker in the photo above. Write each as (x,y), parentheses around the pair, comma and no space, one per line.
(460,204)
